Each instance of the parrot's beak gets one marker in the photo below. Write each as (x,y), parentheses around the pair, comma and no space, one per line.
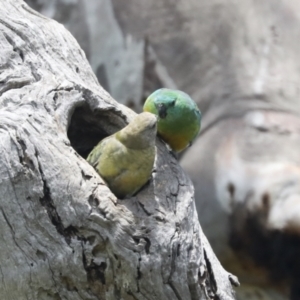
(162,110)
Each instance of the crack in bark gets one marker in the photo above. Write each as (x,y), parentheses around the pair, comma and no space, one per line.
(139,273)
(14,29)
(86,176)
(94,271)
(117,292)
(14,83)
(171,284)
(137,238)
(173,255)
(15,47)
(210,280)
(34,73)
(25,160)
(144,209)
(47,202)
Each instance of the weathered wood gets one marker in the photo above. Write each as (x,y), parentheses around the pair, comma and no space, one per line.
(64,235)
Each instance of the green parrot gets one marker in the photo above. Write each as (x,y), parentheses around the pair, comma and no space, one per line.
(125,159)
(178,117)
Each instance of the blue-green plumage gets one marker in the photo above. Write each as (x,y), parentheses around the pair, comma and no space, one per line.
(178,117)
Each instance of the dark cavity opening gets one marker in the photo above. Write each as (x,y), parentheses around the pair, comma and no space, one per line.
(87,128)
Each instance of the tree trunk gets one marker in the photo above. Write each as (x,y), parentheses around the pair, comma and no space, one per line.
(64,234)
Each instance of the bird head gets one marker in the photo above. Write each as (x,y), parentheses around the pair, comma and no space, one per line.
(140,133)
(161,101)
(178,117)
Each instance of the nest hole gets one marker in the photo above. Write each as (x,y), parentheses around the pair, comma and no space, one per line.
(88,127)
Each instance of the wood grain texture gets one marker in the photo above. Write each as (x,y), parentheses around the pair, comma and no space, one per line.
(64,235)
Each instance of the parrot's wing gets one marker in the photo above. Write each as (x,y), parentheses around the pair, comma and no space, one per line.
(95,154)
(105,157)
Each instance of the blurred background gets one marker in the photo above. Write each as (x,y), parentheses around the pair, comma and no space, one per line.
(240,61)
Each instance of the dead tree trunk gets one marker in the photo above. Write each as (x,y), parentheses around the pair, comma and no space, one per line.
(64,235)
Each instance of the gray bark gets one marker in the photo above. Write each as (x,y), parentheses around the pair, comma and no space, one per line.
(64,235)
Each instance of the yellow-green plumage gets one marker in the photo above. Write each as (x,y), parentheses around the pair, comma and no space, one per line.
(178,117)
(125,159)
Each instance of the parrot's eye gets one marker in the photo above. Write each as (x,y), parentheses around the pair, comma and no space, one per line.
(173,102)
